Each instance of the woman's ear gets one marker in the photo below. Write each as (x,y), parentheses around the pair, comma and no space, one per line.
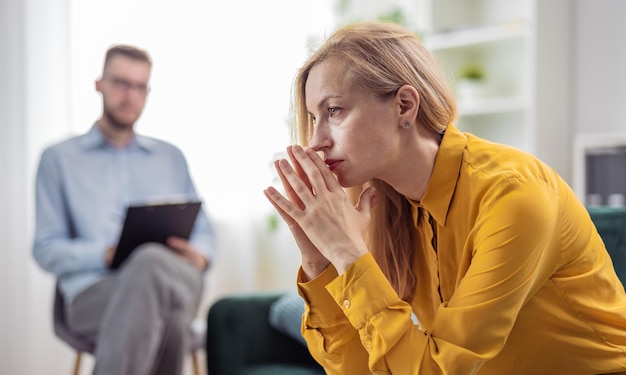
(409,102)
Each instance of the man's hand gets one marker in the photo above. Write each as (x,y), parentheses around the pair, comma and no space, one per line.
(184,248)
(109,254)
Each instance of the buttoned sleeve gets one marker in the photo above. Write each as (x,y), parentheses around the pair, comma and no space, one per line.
(55,249)
(382,319)
(203,235)
(331,339)
(513,246)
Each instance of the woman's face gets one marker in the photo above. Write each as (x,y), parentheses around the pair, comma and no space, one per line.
(358,132)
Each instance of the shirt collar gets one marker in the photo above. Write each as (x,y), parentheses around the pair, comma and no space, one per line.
(443,180)
(95,139)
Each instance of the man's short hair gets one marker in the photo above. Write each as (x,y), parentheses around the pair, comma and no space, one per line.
(127,51)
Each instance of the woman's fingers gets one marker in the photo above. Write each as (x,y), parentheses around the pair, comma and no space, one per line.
(291,194)
(297,167)
(310,254)
(294,185)
(306,177)
(278,201)
(325,224)
(319,176)
(367,200)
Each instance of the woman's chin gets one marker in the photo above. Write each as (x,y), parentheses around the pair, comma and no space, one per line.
(346,182)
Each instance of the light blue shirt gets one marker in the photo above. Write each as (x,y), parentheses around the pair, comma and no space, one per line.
(83,188)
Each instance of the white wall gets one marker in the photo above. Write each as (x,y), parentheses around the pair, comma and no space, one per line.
(600,61)
(34,109)
(599,81)
(553,84)
(13,265)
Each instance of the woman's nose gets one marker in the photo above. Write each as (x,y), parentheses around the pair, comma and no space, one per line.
(321,138)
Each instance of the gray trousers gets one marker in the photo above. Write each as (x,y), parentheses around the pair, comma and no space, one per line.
(141,315)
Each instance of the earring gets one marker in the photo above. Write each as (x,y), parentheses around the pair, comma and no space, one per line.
(406,124)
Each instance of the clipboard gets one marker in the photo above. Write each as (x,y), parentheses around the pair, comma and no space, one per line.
(154,223)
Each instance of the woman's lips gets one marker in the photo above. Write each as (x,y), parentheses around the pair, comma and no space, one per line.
(332,164)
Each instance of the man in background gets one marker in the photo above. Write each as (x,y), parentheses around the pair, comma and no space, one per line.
(140,314)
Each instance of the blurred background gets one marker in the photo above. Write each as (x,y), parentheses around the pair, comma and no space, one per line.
(544,76)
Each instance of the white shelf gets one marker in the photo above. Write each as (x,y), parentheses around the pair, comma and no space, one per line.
(471,36)
(497,36)
(525,49)
(494,105)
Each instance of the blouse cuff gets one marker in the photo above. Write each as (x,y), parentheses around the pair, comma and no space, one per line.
(320,308)
(363,291)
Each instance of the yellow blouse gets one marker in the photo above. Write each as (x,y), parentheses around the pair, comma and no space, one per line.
(512,278)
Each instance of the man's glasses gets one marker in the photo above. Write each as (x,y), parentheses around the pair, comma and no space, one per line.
(122,85)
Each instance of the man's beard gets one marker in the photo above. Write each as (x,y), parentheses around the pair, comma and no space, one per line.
(116,122)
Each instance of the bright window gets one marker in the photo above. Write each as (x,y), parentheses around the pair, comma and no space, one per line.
(221,81)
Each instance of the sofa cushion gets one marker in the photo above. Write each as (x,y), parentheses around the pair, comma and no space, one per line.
(285,315)
(611,225)
(241,341)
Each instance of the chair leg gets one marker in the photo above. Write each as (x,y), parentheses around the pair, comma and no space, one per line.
(77,363)
(194,363)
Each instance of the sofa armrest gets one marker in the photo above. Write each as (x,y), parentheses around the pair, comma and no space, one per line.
(239,335)
(611,225)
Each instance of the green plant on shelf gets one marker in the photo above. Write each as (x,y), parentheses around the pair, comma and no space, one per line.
(345,10)
(395,15)
(472,72)
(272,222)
(471,83)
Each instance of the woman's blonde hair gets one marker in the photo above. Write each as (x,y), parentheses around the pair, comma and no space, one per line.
(382,57)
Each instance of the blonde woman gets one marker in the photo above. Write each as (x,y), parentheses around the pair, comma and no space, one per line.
(460,256)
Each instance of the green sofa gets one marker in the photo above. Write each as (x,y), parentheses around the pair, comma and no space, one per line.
(241,341)
(611,224)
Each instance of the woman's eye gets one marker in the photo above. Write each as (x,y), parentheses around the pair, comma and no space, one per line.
(333,111)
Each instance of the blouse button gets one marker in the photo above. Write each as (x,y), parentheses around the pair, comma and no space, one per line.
(346,304)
